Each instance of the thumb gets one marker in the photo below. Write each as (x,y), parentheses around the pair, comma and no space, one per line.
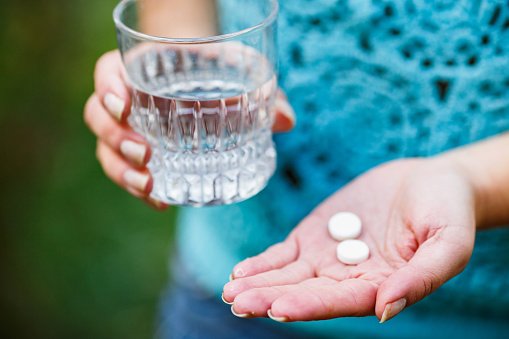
(285,115)
(437,260)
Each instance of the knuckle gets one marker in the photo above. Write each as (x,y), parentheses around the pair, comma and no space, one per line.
(112,134)
(87,112)
(430,283)
(100,124)
(106,162)
(103,60)
(465,253)
(103,65)
(353,299)
(99,153)
(99,64)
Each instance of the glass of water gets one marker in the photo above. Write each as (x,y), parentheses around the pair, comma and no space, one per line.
(205,105)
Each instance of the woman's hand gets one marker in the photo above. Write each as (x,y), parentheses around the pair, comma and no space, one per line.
(122,152)
(418,220)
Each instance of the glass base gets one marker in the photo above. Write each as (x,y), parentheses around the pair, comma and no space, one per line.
(215,178)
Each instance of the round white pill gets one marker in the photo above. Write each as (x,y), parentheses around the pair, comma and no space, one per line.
(345,225)
(352,252)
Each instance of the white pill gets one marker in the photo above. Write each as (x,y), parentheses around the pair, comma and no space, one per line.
(352,252)
(345,225)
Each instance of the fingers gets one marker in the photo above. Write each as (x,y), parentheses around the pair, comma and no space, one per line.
(122,153)
(137,182)
(110,86)
(121,139)
(349,298)
(256,302)
(314,299)
(274,257)
(285,115)
(293,273)
(437,260)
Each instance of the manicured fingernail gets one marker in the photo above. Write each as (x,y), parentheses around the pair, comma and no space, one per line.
(230,277)
(240,315)
(225,301)
(286,109)
(156,203)
(114,105)
(279,319)
(239,273)
(136,180)
(133,151)
(392,309)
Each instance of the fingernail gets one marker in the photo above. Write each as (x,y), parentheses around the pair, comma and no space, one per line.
(114,105)
(136,180)
(156,203)
(286,109)
(240,315)
(239,273)
(279,319)
(392,309)
(225,301)
(133,151)
(230,277)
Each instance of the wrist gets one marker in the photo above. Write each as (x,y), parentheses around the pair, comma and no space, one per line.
(484,170)
(460,162)
(454,173)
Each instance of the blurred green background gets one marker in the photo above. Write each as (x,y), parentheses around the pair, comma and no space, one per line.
(79,257)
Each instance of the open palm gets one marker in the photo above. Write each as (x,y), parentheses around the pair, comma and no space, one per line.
(419,222)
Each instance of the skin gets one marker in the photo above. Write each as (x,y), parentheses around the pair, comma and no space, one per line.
(419,215)
(419,220)
(170,18)
(419,237)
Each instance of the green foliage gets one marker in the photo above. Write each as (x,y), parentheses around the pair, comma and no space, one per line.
(79,257)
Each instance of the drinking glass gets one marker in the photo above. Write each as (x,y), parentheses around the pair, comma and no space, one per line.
(205,105)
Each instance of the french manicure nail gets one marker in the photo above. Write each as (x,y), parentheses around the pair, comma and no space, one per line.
(134,151)
(279,319)
(225,301)
(136,180)
(114,105)
(240,315)
(239,273)
(392,309)
(156,203)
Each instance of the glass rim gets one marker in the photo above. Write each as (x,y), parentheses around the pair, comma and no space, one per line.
(121,6)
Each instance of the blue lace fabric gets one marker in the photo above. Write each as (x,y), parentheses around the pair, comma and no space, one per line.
(372,81)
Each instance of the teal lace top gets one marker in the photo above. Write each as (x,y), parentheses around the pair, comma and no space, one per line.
(372,81)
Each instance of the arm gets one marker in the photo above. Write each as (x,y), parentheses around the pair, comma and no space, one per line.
(487,165)
(170,18)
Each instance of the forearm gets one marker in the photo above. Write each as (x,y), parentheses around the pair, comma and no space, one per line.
(487,165)
(179,18)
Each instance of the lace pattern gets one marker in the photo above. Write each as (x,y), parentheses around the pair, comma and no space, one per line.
(376,80)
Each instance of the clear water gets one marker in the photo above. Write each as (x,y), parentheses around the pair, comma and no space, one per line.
(209,131)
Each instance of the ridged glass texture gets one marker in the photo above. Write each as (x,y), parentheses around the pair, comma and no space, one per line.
(208,126)
(205,106)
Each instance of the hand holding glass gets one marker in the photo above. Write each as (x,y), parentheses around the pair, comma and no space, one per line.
(205,105)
